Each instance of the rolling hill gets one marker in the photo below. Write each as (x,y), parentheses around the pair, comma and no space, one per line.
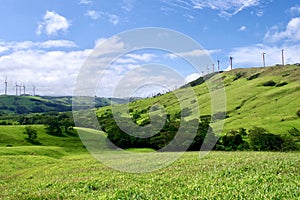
(11,104)
(263,97)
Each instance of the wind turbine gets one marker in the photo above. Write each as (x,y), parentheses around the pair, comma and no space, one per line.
(24,90)
(231,62)
(5,83)
(282,57)
(33,90)
(263,57)
(17,86)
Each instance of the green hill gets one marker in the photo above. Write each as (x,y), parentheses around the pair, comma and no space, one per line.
(263,97)
(10,104)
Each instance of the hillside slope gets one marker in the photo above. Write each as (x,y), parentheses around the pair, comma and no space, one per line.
(11,104)
(264,97)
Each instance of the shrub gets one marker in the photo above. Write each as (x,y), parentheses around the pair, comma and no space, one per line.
(298,113)
(281,84)
(239,75)
(254,76)
(262,140)
(269,83)
(32,135)
(233,140)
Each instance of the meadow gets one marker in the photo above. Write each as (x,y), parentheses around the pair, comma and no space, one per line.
(61,168)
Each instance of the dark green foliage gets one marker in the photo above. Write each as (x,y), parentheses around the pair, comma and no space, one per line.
(298,113)
(281,84)
(233,140)
(181,140)
(254,76)
(239,75)
(53,126)
(269,83)
(291,140)
(32,135)
(261,140)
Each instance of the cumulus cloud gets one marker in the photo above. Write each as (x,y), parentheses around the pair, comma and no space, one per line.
(290,34)
(192,77)
(52,72)
(52,24)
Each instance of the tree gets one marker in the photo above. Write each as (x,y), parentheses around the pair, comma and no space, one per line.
(261,140)
(32,135)
(53,126)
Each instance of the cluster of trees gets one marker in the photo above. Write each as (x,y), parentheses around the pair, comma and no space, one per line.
(259,139)
(169,138)
(59,124)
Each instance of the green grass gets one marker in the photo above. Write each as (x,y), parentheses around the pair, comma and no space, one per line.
(220,175)
(60,168)
(13,137)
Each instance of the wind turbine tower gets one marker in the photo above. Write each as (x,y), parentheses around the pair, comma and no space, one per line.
(263,57)
(218,65)
(5,83)
(33,90)
(231,62)
(20,90)
(24,90)
(17,87)
(282,57)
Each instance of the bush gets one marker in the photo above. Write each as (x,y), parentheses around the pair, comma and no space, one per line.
(262,140)
(269,83)
(239,75)
(254,76)
(32,135)
(281,84)
(298,113)
(233,140)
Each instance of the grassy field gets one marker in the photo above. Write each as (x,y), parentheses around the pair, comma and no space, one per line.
(61,168)
(220,175)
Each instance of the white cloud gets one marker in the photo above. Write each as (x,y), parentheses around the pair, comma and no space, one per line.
(128,5)
(242,28)
(86,2)
(53,23)
(114,19)
(93,14)
(290,34)
(295,10)
(52,72)
(250,56)
(226,8)
(193,53)
(192,77)
(146,57)
(25,45)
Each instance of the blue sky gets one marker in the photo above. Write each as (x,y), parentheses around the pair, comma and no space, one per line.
(45,43)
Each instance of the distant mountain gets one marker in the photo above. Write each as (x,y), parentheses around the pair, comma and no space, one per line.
(10,104)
